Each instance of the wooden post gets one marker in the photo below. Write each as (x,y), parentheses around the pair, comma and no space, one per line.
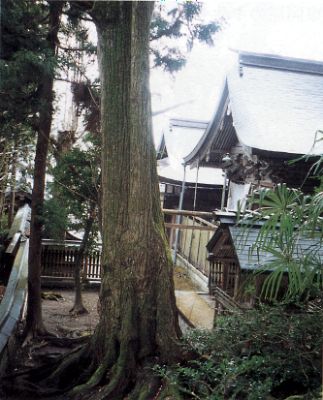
(202,214)
(236,282)
(198,251)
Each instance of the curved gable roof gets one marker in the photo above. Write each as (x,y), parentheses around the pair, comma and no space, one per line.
(276,104)
(211,134)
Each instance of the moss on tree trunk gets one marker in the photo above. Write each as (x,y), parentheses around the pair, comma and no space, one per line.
(138,324)
(137,294)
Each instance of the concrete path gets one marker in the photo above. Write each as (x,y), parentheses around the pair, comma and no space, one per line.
(197,307)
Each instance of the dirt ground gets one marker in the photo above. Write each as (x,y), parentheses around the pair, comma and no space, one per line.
(56,314)
(60,322)
(56,305)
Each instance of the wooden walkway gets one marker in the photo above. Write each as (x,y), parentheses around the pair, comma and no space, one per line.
(196,307)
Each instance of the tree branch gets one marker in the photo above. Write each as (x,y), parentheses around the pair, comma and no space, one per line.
(73,48)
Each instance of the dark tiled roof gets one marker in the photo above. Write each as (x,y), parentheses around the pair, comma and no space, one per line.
(251,259)
(243,240)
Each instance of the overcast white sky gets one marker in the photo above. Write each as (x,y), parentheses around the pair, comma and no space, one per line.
(292,28)
(286,27)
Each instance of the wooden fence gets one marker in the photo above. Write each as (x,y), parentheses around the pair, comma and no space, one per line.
(59,262)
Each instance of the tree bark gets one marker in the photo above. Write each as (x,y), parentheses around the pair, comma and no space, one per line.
(34,322)
(137,294)
(4,171)
(12,197)
(138,324)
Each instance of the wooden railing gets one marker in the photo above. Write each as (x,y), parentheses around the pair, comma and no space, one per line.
(59,262)
(225,303)
(12,304)
(193,241)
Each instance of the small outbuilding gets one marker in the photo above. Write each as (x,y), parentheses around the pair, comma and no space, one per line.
(234,261)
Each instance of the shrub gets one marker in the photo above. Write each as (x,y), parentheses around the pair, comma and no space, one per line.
(269,353)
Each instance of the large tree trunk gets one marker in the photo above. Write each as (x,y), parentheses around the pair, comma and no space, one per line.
(137,294)
(138,324)
(34,321)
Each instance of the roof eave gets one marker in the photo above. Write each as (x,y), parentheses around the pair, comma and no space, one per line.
(212,130)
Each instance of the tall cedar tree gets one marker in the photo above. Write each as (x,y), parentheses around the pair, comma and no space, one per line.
(34,322)
(138,324)
(24,57)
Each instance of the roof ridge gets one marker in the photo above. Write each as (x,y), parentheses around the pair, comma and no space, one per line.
(275,61)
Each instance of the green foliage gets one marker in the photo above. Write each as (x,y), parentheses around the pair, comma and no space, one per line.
(55,219)
(76,178)
(75,187)
(266,352)
(287,217)
(317,167)
(4,230)
(25,59)
(181,23)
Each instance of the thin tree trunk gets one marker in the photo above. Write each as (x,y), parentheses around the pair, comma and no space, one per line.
(78,307)
(34,321)
(12,198)
(4,173)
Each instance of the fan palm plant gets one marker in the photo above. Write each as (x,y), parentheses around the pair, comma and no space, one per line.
(291,232)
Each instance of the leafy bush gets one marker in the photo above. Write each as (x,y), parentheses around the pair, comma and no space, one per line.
(270,353)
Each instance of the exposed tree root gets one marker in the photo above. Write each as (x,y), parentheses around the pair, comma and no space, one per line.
(77,376)
(30,334)
(69,371)
(66,342)
(94,380)
(168,392)
(78,310)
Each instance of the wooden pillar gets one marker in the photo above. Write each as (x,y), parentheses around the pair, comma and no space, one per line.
(236,282)
(171,233)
